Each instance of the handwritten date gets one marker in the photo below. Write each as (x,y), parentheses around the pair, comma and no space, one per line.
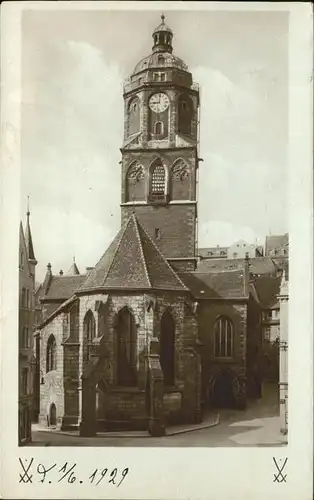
(67,473)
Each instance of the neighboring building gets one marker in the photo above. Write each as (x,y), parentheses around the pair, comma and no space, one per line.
(283,373)
(150,336)
(259,266)
(213,252)
(27,265)
(268,288)
(277,245)
(238,250)
(241,249)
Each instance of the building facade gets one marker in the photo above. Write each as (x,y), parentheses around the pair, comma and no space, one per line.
(149,337)
(27,265)
(283,374)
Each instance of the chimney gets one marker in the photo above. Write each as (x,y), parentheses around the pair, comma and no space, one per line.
(48,278)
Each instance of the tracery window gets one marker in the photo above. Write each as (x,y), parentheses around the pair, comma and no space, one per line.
(158,181)
(224,338)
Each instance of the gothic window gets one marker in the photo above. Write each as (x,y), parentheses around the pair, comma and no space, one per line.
(134,116)
(89,333)
(224,338)
(135,182)
(51,360)
(158,181)
(185,108)
(167,347)
(126,349)
(180,180)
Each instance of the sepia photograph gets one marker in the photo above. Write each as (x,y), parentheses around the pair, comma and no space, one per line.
(154,247)
(156,258)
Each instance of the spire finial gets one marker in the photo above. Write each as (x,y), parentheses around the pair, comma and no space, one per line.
(28,212)
(162,18)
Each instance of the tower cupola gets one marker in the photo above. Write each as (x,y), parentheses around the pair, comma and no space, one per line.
(162,36)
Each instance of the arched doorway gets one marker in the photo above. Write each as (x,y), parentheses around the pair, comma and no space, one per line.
(223,393)
(53,415)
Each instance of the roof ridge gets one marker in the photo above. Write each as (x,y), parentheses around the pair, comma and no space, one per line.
(116,250)
(141,248)
(165,260)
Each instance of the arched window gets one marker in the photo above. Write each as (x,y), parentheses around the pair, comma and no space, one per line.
(51,358)
(158,181)
(126,349)
(159,128)
(161,59)
(185,108)
(224,338)
(180,180)
(134,116)
(135,182)
(167,347)
(89,333)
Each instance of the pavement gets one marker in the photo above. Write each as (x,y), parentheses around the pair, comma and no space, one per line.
(258,425)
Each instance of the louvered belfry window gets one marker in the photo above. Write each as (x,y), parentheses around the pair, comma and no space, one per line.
(158,186)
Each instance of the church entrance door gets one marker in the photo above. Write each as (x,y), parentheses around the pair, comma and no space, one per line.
(223,391)
(53,415)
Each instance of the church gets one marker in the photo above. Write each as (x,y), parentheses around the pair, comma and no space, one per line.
(148,337)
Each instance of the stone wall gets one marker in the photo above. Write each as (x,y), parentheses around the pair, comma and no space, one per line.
(52,391)
(208,312)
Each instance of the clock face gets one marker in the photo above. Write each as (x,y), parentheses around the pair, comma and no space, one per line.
(159,102)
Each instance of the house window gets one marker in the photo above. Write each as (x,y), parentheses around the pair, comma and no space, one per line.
(23,300)
(158,182)
(126,349)
(21,259)
(51,359)
(235,255)
(162,77)
(25,337)
(24,380)
(224,338)
(167,347)
(267,333)
(161,59)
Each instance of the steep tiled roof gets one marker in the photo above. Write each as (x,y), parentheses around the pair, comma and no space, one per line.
(63,287)
(258,265)
(267,288)
(132,261)
(212,285)
(57,311)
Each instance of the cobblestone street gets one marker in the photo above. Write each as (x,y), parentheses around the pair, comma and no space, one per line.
(258,425)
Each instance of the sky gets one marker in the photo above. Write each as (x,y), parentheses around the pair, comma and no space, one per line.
(73,67)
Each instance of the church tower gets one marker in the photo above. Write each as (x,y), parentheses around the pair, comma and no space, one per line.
(160,151)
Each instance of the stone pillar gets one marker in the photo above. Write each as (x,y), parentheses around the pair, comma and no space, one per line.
(283,357)
(88,422)
(155,386)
